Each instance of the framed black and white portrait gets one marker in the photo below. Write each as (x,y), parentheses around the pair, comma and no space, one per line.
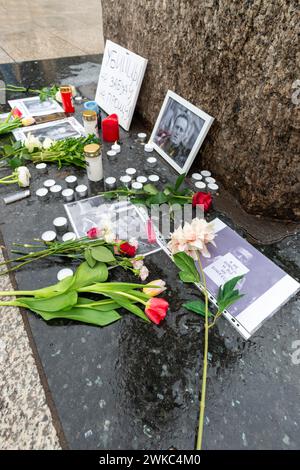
(179,131)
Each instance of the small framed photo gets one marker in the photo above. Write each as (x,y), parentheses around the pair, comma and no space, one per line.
(179,131)
(35,107)
(56,130)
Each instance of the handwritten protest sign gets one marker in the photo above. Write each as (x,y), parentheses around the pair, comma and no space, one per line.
(120,81)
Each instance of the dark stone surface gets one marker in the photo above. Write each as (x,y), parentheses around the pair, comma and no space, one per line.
(238,62)
(135,386)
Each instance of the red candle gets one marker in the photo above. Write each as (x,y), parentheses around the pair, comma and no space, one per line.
(66,97)
(110,128)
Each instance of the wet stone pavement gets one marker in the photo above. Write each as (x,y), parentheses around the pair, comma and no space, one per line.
(135,386)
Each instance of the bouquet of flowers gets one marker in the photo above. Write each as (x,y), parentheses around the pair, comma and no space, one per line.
(63,152)
(91,248)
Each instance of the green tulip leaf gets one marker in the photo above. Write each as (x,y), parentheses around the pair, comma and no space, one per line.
(84,315)
(88,257)
(87,275)
(101,305)
(128,305)
(51,304)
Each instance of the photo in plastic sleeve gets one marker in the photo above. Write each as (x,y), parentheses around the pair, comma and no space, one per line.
(56,130)
(35,107)
(121,217)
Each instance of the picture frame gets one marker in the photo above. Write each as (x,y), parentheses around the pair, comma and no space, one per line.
(179,131)
(33,106)
(55,130)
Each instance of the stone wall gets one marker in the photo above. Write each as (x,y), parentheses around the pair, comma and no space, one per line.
(237,60)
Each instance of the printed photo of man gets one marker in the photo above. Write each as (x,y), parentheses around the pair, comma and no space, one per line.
(178,131)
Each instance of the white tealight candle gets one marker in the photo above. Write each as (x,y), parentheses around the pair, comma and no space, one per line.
(60,224)
(49,183)
(148,147)
(137,186)
(116,147)
(151,161)
(153,178)
(197,176)
(142,179)
(42,194)
(69,236)
(71,181)
(131,172)
(213,188)
(142,136)
(41,167)
(209,179)
(125,181)
(205,173)
(200,185)
(63,273)
(48,236)
(111,153)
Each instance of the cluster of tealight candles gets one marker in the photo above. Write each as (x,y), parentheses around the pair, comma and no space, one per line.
(51,188)
(130,180)
(115,149)
(60,230)
(203,181)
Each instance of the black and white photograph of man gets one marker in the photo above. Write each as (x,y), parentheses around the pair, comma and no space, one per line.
(35,107)
(57,132)
(178,131)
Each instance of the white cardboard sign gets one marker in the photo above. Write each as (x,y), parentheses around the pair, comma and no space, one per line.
(120,80)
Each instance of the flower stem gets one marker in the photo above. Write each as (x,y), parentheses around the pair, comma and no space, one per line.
(131,297)
(7,293)
(205,356)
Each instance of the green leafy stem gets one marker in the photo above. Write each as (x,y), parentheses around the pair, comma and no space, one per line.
(44,93)
(82,248)
(227,295)
(63,152)
(9,124)
(151,195)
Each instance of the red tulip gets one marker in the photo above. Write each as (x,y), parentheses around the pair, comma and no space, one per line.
(203,199)
(16,113)
(156,309)
(127,249)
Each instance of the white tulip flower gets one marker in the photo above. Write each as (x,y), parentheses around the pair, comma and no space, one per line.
(24,176)
(47,143)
